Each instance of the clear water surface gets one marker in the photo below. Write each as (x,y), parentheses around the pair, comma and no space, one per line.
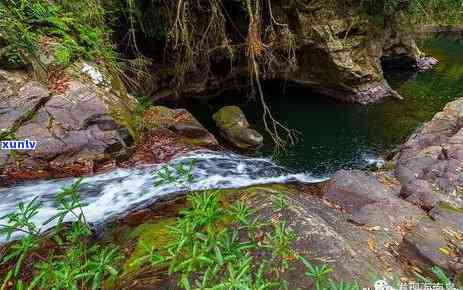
(337,135)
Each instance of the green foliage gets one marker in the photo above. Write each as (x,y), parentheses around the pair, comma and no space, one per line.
(73,263)
(181,174)
(71,29)
(441,276)
(221,245)
(440,12)
(280,203)
(215,245)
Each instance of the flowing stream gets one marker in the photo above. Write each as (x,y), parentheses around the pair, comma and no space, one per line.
(118,192)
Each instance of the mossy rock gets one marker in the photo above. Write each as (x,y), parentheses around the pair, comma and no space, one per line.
(154,234)
(230,116)
(235,128)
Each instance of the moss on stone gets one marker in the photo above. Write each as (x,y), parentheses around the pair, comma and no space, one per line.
(230,116)
(154,234)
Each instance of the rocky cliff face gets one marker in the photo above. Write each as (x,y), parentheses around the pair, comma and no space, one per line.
(334,47)
(341,45)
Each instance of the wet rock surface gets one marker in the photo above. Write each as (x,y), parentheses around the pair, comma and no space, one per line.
(235,128)
(180,122)
(76,122)
(422,222)
(430,163)
(326,235)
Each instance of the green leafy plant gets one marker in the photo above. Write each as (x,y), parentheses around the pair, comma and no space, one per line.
(280,203)
(222,245)
(75,262)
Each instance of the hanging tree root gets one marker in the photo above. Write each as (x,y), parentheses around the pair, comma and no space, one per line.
(256,49)
(193,55)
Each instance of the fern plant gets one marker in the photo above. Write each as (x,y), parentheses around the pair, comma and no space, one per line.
(75,29)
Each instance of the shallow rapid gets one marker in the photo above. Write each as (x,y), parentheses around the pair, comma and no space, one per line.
(121,191)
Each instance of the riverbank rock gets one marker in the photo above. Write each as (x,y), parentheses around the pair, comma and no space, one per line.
(179,121)
(167,132)
(70,119)
(430,163)
(325,234)
(372,203)
(235,128)
(433,241)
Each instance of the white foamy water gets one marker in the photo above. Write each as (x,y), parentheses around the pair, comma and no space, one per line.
(121,191)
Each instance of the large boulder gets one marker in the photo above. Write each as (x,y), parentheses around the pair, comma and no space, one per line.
(355,189)
(324,235)
(71,126)
(430,163)
(71,122)
(371,202)
(179,121)
(235,128)
(168,132)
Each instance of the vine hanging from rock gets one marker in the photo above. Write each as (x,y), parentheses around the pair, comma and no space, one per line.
(193,44)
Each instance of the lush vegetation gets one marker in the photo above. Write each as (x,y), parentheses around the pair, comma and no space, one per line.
(82,29)
(224,245)
(215,243)
(215,247)
(70,29)
(437,12)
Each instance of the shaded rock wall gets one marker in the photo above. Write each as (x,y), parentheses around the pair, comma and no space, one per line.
(334,47)
(341,45)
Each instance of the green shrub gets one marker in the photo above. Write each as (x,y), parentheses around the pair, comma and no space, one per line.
(219,245)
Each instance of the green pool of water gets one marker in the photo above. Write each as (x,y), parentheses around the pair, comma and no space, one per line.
(336,135)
